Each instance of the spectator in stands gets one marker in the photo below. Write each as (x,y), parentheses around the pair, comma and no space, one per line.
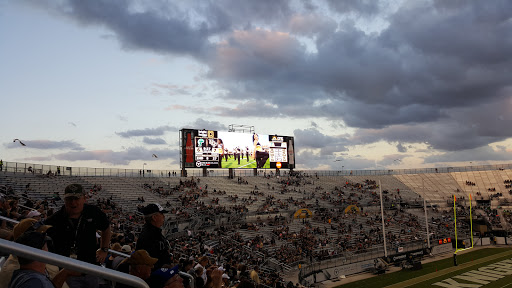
(74,233)
(1,165)
(12,263)
(34,214)
(4,206)
(202,262)
(198,275)
(140,265)
(126,249)
(255,275)
(167,278)
(33,273)
(151,238)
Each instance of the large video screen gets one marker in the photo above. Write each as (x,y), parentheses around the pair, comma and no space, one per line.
(216,149)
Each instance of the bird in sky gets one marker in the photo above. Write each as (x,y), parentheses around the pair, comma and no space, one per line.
(154,155)
(22,144)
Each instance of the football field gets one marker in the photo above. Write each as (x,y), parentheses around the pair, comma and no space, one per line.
(233,163)
(489,268)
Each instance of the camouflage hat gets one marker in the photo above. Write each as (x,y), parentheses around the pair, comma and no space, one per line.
(73,191)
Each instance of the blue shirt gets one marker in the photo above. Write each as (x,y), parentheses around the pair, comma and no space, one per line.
(29,279)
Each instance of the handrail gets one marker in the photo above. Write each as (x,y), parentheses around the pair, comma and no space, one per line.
(41,169)
(69,263)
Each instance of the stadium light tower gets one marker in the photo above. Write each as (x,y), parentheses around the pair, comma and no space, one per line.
(339,160)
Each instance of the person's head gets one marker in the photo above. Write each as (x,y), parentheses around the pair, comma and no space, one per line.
(28,225)
(34,214)
(225,279)
(126,249)
(3,201)
(74,199)
(255,137)
(154,215)
(203,261)
(141,264)
(174,282)
(169,277)
(32,239)
(187,265)
(116,247)
(199,271)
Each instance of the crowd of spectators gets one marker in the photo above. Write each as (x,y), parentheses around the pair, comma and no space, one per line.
(332,231)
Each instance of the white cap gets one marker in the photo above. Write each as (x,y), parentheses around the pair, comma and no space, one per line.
(225,276)
(126,249)
(33,213)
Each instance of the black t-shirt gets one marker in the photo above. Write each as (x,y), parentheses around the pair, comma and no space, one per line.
(80,233)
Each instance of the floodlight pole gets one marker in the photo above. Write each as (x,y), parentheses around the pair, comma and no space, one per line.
(382,217)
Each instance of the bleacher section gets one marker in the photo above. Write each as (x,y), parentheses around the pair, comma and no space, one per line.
(256,213)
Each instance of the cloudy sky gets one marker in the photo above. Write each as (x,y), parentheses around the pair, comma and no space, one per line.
(375,84)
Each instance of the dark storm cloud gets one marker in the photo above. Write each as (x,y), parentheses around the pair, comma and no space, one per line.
(461,129)
(313,139)
(208,125)
(120,157)
(154,141)
(158,131)
(438,73)
(47,144)
(160,28)
(350,6)
(481,154)
(248,13)
(401,148)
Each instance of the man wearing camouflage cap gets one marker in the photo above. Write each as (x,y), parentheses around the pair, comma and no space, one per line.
(74,232)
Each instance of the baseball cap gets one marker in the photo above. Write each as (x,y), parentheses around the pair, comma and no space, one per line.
(73,190)
(28,224)
(140,257)
(153,208)
(166,273)
(126,249)
(33,239)
(33,213)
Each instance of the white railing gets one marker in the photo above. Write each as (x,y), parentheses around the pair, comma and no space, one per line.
(69,263)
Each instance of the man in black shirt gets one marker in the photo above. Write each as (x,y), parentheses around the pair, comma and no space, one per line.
(74,231)
(151,238)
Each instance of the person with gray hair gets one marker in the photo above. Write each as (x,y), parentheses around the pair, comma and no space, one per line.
(151,238)
(32,273)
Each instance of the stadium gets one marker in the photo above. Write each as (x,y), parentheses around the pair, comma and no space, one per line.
(300,228)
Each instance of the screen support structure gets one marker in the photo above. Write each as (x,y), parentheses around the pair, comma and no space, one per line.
(241,128)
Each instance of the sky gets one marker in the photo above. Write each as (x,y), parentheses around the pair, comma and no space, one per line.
(360,84)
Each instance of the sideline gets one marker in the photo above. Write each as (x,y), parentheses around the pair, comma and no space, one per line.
(429,276)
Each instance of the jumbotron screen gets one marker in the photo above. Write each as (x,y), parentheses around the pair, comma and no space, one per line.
(216,149)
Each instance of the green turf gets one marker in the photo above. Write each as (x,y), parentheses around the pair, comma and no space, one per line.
(233,163)
(432,267)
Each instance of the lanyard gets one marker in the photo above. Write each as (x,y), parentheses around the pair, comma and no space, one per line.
(76,230)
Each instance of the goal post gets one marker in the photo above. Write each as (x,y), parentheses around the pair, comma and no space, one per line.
(470,223)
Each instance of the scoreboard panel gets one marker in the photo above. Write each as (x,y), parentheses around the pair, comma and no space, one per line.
(215,149)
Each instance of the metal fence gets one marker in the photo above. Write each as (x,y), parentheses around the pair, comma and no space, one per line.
(41,169)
